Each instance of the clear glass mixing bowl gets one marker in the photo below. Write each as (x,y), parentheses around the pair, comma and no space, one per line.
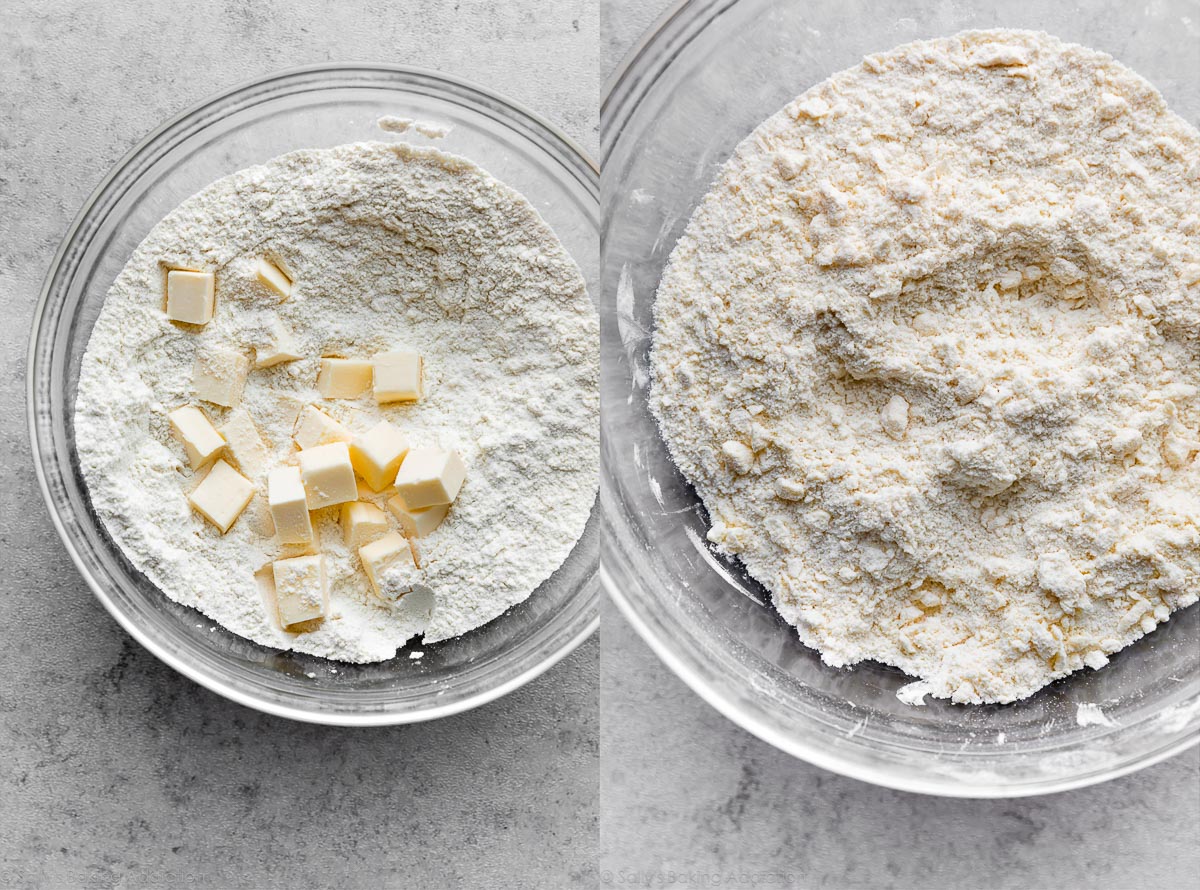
(702,79)
(307,108)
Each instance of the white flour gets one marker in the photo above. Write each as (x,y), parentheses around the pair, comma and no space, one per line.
(928,352)
(391,247)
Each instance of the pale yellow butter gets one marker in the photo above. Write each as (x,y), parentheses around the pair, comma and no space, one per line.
(273,277)
(264,580)
(343,378)
(390,566)
(301,589)
(280,346)
(245,444)
(377,454)
(429,476)
(397,377)
(418,523)
(328,475)
(220,375)
(191,296)
(200,438)
(362,522)
(289,506)
(315,427)
(257,516)
(222,496)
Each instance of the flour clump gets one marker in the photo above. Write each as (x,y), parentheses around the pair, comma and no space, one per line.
(928,352)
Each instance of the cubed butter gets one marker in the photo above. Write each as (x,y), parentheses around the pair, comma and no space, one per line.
(220,375)
(377,454)
(429,476)
(200,438)
(390,566)
(257,516)
(264,580)
(418,523)
(314,427)
(343,378)
(190,296)
(328,475)
(362,522)
(416,551)
(397,377)
(301,589)
(289,506)
(222,496)
(245,444)
(277,347)
(273,277)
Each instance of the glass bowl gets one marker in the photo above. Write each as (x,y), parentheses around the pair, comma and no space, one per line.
(700,81)
(312,107)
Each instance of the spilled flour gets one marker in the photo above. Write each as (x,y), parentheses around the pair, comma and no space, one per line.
(928,351)
(429,129)
(391,247)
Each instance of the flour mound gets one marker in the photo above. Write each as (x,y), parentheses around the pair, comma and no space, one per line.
(391,247)
(928,352)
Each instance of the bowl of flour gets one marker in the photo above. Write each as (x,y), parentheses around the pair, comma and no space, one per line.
(904,386)
(420,212)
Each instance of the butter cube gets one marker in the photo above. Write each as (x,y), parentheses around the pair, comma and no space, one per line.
(429,476)
(301,589)
(258,517)
(200,438)
(362,522)
(222,496)
(418,523)
(273,277)
(220,375)
(289,506)
(343,378)
(190,296)
(377,454)
(315,428)
(245,444)
(264,580)
(390,566)
(328,475)
(397,377)
(278,347)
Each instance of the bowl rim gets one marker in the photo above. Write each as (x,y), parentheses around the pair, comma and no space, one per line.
(813,754)
(164,654)
(705,12)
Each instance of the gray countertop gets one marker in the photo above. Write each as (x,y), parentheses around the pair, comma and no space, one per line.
(119,772)
(684,792)
(116,771)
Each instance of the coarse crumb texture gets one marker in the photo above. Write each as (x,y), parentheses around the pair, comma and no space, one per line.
(928,352)
(390,247)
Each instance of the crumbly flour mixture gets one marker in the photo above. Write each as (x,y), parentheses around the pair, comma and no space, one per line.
(929,351)
(391,247)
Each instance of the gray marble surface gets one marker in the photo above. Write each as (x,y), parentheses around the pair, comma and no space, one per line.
(687,795)
(114,770)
